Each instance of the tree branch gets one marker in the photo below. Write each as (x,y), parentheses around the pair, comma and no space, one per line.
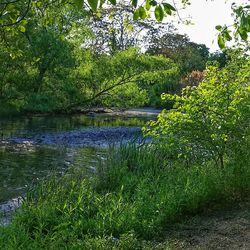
(20,19)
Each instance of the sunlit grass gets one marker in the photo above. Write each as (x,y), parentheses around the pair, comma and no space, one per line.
(137,193)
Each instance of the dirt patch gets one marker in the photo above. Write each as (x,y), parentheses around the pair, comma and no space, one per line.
(228,229)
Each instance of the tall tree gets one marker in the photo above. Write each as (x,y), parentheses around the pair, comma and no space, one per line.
(114,29)
(189,55)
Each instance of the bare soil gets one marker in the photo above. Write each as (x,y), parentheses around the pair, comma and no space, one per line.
(228,229)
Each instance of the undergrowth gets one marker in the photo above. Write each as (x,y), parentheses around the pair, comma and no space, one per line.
(136,194)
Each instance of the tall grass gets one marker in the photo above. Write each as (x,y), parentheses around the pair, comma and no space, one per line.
(135,195)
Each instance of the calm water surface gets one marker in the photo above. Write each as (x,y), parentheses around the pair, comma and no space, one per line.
(24,163)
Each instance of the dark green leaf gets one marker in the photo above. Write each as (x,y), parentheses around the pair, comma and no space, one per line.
(243,20)
(227,36)
(167,10)
(112,2)
(218,27)
(93,4)
(134,3)
(79,3)
(153,3)
(169,6)
(243,34)
(248,24)
(142,12)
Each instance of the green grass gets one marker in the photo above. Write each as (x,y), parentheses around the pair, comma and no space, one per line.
(136,194)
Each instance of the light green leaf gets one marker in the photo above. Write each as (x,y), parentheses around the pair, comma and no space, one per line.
(22,29)
(24,22)
(159,14)
(221,42)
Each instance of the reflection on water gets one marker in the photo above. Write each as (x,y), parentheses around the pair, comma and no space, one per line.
(33,125)
(23,164)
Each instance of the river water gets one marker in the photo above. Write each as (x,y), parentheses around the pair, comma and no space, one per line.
(33,148)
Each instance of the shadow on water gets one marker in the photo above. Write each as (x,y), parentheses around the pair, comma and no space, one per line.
(32,148)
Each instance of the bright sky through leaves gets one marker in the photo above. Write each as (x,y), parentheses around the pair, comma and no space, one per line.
(205,16)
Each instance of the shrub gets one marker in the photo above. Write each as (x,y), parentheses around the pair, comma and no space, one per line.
(210,121)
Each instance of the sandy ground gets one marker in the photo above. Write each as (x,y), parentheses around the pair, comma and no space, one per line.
(228,229)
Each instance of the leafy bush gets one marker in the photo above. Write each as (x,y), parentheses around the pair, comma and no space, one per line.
(210,120)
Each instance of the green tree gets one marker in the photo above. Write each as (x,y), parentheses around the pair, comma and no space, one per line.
(220,57)
(36,65)
(106,77)
(13,14)
(189,55)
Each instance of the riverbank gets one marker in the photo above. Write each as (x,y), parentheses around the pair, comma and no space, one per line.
(135,197)
(6,112)
(31,147)
(134,112)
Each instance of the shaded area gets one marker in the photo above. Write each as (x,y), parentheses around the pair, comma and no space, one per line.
(226,229)
(41,124)
(23,165)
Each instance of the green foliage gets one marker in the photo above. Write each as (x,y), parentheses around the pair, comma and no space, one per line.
(35,73)
(159,14)
(47,66)
(219,57)
(125,96)
(188,55)
(9,110)
(137,193)
(211,120)
(161,9)
(108,79)
(14,15)
(241,24)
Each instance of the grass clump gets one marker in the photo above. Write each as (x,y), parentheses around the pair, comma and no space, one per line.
(136,194)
